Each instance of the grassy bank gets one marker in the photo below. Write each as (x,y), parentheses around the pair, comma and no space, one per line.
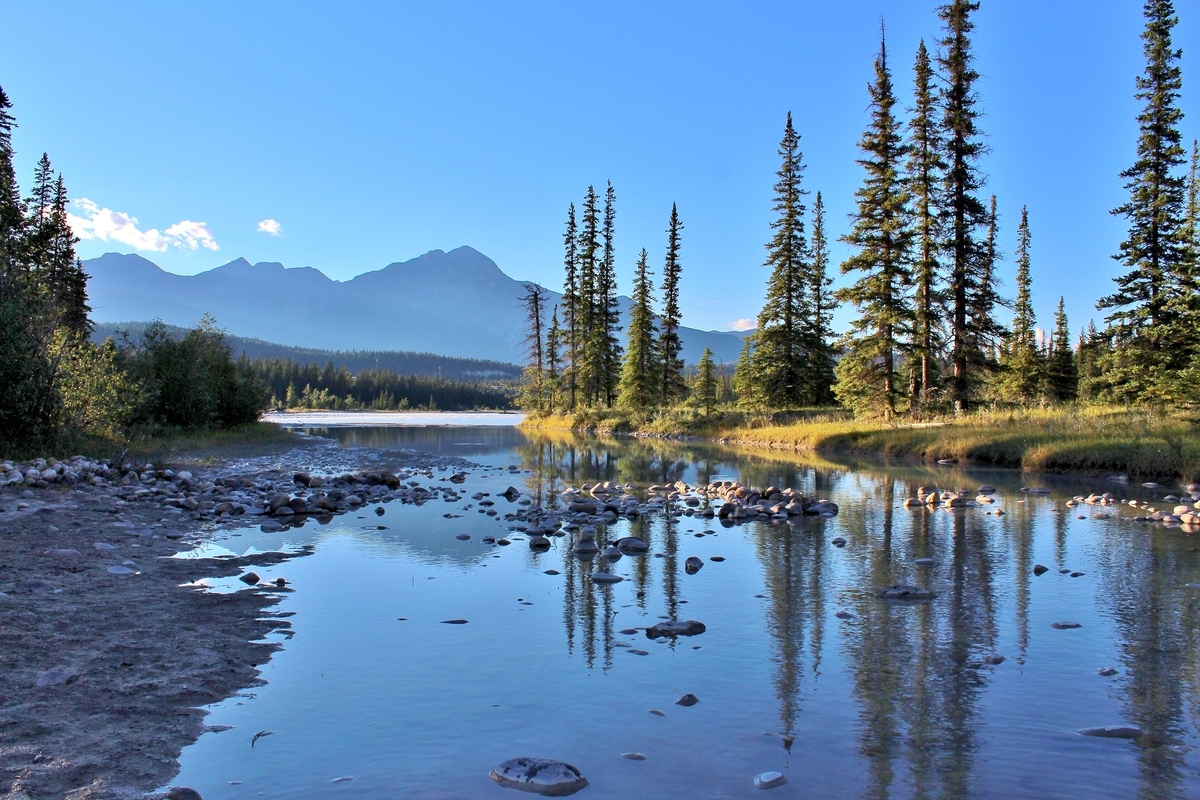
(1095,440)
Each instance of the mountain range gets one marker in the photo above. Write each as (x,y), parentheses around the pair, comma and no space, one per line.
(458,303)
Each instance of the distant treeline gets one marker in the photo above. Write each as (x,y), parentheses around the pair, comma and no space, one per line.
(296,385)
(356,361)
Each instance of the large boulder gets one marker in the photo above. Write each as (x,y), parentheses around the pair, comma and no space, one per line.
(540,776)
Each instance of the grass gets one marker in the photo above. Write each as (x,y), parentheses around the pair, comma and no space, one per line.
(1095,440)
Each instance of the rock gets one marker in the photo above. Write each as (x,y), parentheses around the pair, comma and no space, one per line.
(540,776)
(844,615)
(688,700)
(56,676)
(271,526)
(462,537)
(838,541)
(454,622)
(632,544)
(633,756)
(32,585)
(104,546)
(904,592)
(539,543)
(63,552)
(638,652)
(657,713)
(994,659)
(673,627)
(380,510)
(1038,569)
(182,793)
(717,559)
(606,577)
(121,571)
(692,565)
(987,488)
(924,562)
(611,553)
(250,578)
(1063,626)
(1107,672)
(769,780)
(1113,732)
(586,545)
(552,572)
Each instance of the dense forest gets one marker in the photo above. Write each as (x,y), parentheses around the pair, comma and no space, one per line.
(928,335)
(401,362)
(309,386)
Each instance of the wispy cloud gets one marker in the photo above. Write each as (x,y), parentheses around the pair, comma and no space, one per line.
(743,325)
(271,227)
(94,222)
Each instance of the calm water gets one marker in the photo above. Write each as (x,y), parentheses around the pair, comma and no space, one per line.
(895,702)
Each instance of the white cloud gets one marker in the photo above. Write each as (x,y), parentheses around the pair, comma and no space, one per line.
(270,226)
(743,325)
(107,225)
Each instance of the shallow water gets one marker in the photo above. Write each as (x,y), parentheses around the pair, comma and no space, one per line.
(895,702)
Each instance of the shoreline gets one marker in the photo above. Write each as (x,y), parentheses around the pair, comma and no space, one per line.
(1103,443)
(110,648)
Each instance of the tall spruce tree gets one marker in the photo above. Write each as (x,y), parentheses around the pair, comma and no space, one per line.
(533,390)
(963,212)
(1023,368)
(12,208)
(640,376)
(1143,319)
(925,174)
(608,308)
(745,382)
(672,387)
(553,377)
(593,337)
(868,374)
(1062,372)
(571,349)
(780,362)
(820,334)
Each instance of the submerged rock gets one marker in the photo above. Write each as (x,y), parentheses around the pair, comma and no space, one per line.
(1063,626)
(692,565)
(1113,732)
(674,627)
(540,776)
(182,793)
(688,700)
(904,592)
(606,577)
(769,780)
(1038,569)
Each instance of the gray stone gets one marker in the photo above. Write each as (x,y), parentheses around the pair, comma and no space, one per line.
(250,579)
(632,544)
(121,571)
(994,659)
(31,585)
(540,776)
(56,676)
(673,627)
(454,622)
(104,546)
(1063,626)
(692,565)
(606,577)
(1113,732)
(1039,569)
(688,700)
(182,793)
(924,562)
(63,552)
(1107,672)
(769,780)
(633,756)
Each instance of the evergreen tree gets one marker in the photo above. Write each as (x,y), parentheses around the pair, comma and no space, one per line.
(1062,373)
(12,209)
(1022,366)
(571,306)
(820,334)
(533,394)
(963,212)
(868,374)
(671,386)
(780,356)
(745,382)
(706,382)
(61,274)
(1094,348)
(608,309)
(925,170)
(640,378)
(553,377)
(592,335)
(1143,318)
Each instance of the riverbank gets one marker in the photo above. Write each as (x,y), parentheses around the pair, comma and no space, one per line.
(110,646)
(1094,441)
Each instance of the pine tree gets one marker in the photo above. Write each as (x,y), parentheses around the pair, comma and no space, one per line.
(781,358)
(706,382)
(925,170)
(12,209)
(1094,348)
(1022,367)
(868,374)
(533,395)
(553,377)
(571,306)
(608,309)
(640,378)
(745,381)
(1142,322)
(1062,373)
(61,274)
(591,332)
(820,333)
(671,386)
(963,213)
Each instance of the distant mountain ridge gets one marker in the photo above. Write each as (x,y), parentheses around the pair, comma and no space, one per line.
(457,304)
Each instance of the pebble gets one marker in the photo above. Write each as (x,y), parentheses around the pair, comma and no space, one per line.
(924,562)
(64,552)
(657,713)
(462,537)
(121,571)
(552,572)
(673,627)
(692,565)
(1113,732)
(718,559)
(250,578)
(540,776)
(1038,569)
(104,546)
(638,652)
(769,780)
(1062,626)
(53,677)
(688,700)
(1107,672)
(994,659)
(844,615)
(454,622)
(633,756)
(904,592)
(606,577)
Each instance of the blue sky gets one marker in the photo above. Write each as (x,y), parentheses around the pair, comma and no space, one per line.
(374,132)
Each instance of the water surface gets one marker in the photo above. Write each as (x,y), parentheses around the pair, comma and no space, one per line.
(895,701)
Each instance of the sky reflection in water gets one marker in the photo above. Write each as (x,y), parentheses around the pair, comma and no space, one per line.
(895,702)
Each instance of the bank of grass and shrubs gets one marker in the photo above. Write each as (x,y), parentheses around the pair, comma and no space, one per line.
(1100,440)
